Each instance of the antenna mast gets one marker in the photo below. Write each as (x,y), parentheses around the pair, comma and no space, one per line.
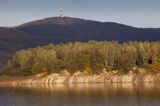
(61,12)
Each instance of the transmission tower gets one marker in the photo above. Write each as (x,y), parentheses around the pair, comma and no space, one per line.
(61,12)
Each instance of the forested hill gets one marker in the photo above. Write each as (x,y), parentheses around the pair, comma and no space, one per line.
(66,29)
(12,40)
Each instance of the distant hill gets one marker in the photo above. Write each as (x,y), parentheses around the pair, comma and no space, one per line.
(66,29)
(11,40)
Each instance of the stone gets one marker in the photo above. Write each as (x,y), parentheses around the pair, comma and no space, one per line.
(142,71)
(64,73)
(131,73)
(78,73)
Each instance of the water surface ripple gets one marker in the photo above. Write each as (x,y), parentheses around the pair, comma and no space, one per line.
(81,95)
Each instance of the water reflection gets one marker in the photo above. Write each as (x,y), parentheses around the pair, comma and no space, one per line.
(82,95)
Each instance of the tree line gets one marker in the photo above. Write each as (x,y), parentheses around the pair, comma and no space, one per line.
(93,56)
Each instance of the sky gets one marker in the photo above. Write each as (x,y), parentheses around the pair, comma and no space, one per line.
(138,13)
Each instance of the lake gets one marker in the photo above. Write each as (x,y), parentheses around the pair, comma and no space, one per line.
(81,95)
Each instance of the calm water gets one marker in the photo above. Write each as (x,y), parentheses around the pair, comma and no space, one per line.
(81,95)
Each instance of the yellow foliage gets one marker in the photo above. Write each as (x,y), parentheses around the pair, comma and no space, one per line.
(88,71)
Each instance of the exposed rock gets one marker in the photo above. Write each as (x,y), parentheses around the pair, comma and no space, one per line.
(55,74)
(131,73)
(103,78)
(78,73)
(113,72)
(64,73)
(41,75)
(104,72)
(142,71)
(134,68)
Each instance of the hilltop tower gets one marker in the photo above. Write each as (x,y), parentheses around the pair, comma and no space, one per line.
(61,12)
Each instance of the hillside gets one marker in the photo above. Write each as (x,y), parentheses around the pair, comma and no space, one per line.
(66,29)
(12,40)
(59,30)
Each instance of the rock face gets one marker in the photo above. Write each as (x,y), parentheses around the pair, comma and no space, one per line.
(103,78)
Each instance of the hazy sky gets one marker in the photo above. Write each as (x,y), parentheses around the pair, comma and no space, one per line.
(140,13)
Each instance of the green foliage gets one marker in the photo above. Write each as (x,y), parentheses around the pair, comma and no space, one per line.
(90,57)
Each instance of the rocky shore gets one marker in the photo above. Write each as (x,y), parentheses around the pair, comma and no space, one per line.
(76,79)
(136,75)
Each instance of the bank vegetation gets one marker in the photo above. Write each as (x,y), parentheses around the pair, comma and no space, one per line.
(89,58)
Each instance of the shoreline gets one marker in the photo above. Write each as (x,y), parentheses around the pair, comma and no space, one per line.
(82,79)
